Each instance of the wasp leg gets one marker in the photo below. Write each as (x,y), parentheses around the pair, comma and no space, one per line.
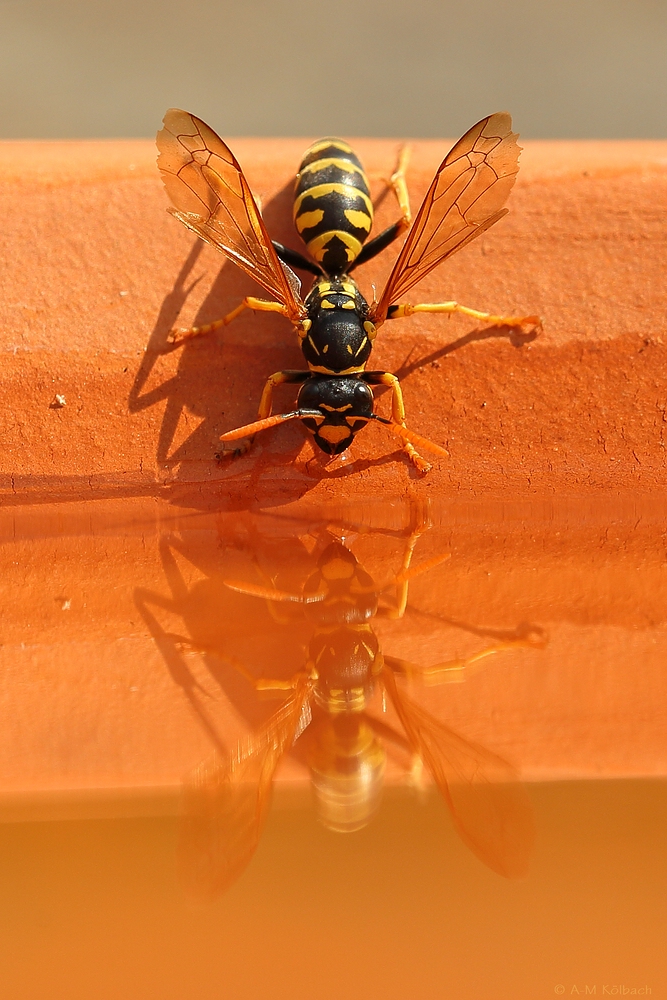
(405,309)
(295,259)
(398,414)
(399,187)
(257,305)
(453,671)
(266,684)
(402,579)
(265,405)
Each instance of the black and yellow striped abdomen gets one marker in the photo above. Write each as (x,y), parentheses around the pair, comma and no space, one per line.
(333,212)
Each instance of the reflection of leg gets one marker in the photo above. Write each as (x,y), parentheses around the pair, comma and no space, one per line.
(266,593)
(405,309)
(402,578)
(257,305)
(267,684)
(402,581)
(265,406)
(460,668)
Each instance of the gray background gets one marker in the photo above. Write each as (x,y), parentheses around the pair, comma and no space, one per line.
(564,68)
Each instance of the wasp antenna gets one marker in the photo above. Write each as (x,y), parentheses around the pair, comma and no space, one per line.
(263,425)
(412,437)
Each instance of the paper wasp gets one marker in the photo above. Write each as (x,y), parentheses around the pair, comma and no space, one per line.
(326,708)
(333,214)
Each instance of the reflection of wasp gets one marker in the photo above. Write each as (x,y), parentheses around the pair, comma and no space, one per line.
(327,702)
(333,214)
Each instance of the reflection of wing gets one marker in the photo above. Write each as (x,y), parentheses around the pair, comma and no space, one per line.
(491,811)
(466,197)
(211,197)
(227,801)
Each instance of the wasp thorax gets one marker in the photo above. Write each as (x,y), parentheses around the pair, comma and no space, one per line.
(338,339)
(345,659)
(346,405)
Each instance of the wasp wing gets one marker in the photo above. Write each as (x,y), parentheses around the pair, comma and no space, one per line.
(211,196)
(490,809)
(227,800)
(466,198)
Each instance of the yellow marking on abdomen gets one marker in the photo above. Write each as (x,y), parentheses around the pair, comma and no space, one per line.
(328,161)
(309,219)
(322,190)
(328,144)
(358,219)
(318,245)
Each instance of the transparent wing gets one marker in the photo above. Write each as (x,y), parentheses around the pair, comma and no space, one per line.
(490,809)
(226,801)
(466,198)
(211,197)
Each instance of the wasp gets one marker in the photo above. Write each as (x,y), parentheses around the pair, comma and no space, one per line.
(326,707)
(333,214)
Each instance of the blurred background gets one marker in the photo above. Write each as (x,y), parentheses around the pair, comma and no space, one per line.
(421,68)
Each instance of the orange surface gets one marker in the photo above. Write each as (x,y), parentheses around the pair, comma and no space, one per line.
(95,273)
(98,697)
(400,909)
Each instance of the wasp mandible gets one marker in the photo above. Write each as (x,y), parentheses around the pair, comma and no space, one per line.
(333,214)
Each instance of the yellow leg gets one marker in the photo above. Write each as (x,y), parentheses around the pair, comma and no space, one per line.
(398,415)
(266,401)
(405,309)
(266,684)
(457,670)
(406,574)
(257,305)
(400,188)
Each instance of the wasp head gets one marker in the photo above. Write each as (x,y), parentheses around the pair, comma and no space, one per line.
(345,404)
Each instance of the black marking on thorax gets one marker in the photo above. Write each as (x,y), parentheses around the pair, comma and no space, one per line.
(340,337)
(344,657)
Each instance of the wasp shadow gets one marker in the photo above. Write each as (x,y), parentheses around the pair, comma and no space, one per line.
(214,640)
(516,337)
(219,379)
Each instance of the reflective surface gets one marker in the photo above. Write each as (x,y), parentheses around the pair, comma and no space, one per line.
(458,688)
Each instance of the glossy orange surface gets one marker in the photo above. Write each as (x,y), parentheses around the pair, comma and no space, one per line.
(100,602)
(132,632)
(399,909)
